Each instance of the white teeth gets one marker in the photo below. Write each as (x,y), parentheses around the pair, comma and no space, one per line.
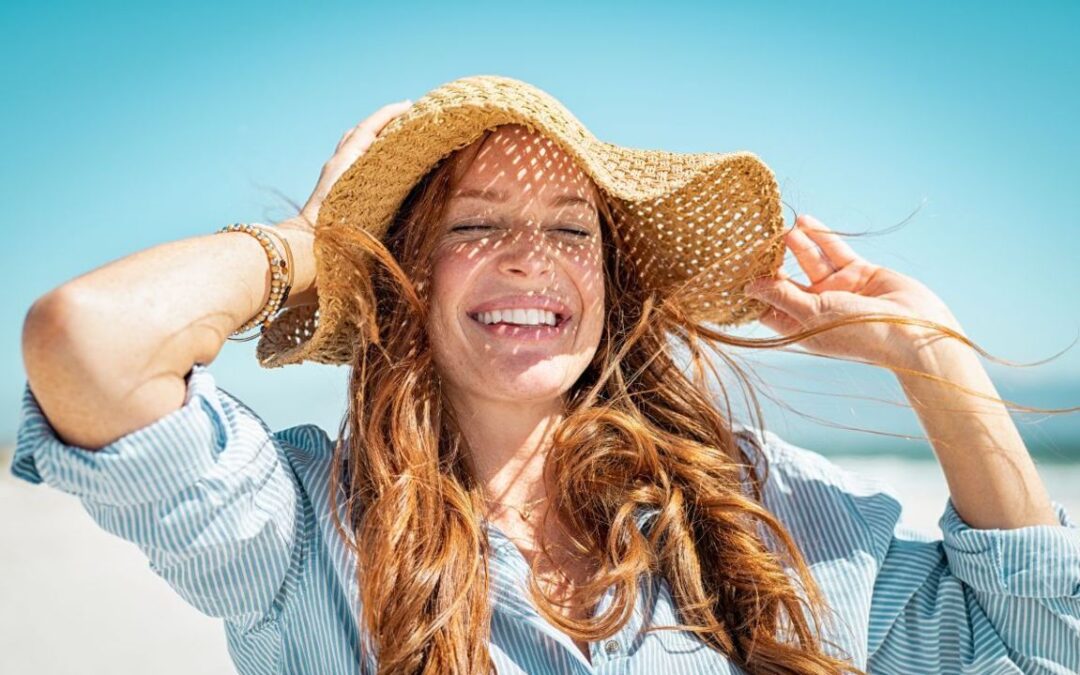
(521,317)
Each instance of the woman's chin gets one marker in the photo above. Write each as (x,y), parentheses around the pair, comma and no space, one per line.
(529,386)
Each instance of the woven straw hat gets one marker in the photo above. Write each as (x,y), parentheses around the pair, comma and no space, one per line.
(680,213)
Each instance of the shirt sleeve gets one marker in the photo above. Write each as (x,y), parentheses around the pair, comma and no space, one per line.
(974,600)
(205,491)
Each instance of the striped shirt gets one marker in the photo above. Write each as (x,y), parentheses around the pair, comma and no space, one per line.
(236,519)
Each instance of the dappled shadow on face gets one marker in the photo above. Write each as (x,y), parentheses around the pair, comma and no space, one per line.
(523,218)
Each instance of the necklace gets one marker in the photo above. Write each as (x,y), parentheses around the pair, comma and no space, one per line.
(524,511)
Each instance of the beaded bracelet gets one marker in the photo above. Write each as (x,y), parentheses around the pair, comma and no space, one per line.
(281,278)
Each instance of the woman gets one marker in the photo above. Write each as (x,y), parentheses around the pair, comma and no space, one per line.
(527,480)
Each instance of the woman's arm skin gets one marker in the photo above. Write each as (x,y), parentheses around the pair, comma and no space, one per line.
(107,352)
(992,478)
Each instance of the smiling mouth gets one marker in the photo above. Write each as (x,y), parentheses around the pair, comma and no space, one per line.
(560,319)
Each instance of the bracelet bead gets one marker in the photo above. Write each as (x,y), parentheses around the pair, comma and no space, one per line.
(281,274)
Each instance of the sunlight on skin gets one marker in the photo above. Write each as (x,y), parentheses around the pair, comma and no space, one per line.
(521,220)
(843,283)
(992,479)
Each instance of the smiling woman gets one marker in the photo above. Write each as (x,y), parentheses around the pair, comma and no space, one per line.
(506,378)
(534,424)
(530,259)
(527,478)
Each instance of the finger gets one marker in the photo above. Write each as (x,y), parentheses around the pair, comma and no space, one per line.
(344,138)
(382,116)
(782,274)
(778,322)
(835,249)
(811,258)
(373,124)
(785,296)
(365,133)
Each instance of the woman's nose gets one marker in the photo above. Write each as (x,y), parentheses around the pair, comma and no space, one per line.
(527,253)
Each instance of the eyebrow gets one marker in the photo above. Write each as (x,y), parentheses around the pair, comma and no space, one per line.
(493,195)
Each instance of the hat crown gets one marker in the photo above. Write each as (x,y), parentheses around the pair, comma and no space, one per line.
(705,223)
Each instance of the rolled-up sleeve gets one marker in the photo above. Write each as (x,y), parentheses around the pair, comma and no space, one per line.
(206,492)
(977,600)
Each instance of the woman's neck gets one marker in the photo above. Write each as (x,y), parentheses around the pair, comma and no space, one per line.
(509,442)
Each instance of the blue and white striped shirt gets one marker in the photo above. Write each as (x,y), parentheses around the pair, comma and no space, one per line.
(236,518)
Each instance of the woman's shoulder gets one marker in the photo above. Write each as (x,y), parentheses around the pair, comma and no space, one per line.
(806,489)
(307,448)
(798,463)
(308,439)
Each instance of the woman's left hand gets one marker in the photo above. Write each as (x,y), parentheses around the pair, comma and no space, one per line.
(843,284)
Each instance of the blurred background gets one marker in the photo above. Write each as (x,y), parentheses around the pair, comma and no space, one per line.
(129,125)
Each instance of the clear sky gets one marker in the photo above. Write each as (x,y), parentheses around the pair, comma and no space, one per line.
(131,124)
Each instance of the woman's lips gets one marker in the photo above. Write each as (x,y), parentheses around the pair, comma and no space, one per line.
(529,333)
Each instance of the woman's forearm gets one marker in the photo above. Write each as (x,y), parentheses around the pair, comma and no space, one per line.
(106,353)
(991,476)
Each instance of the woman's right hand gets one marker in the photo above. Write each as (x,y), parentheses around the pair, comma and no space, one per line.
(300,229)
(354,142)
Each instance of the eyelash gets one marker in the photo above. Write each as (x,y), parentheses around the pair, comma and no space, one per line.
(583,234)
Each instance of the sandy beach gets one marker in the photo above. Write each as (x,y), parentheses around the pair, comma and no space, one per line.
(75,599)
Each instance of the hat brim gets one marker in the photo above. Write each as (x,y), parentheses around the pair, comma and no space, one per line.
(709,219)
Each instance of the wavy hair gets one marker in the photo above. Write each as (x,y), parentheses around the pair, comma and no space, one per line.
(641,432)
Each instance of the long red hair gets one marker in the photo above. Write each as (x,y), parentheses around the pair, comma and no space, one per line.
(641,432)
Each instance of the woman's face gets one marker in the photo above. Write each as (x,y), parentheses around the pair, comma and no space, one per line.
(520,237)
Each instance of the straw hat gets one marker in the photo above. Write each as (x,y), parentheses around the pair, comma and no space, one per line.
(679,213)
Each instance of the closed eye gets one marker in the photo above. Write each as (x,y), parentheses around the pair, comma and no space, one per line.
(575,231)
(469,227)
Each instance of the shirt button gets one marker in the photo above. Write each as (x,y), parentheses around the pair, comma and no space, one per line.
(611,647)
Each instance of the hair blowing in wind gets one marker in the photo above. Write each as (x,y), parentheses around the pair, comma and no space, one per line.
(641,431)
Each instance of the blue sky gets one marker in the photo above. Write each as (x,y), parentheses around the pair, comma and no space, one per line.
(128,125)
